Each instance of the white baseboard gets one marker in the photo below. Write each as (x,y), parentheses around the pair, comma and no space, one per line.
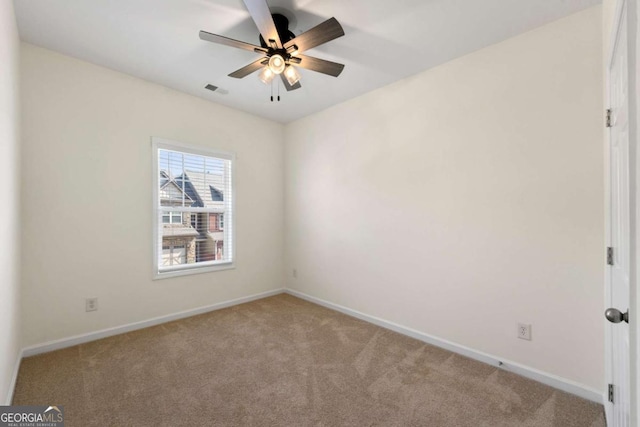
(525,371)
(14,378)
(104,333)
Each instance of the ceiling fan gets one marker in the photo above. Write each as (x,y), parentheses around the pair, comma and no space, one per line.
(280,48)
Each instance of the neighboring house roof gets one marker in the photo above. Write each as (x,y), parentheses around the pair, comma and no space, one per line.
(200,189)
(216,235)
(179,232)
(203,188)
(164,178)
(171,194)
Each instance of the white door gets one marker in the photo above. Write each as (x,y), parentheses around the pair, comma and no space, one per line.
(619,229)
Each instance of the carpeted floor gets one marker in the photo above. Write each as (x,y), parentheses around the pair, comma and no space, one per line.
(282,361)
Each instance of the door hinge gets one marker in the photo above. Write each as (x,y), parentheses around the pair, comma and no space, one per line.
(610,393)
(609,255)
(608,116)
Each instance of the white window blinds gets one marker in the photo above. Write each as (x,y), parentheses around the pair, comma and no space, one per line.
(193,199)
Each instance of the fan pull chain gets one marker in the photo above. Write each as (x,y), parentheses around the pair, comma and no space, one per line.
(278,92)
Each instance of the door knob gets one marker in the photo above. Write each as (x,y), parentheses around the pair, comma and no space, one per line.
(614,315)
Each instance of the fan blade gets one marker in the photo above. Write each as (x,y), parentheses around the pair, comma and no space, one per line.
(248,69)
(230,42)
(259,11)
(287,85)
(320,65)
(325,32)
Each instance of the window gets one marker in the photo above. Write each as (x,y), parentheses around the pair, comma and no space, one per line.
(193,190)
(172,217)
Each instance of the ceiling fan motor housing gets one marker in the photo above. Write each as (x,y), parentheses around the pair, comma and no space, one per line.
(282,27)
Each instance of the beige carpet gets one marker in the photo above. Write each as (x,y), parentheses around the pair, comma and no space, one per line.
(282,361)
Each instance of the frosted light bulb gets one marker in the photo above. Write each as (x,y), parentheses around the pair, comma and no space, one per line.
(266,75)
(292,75)
(276,64)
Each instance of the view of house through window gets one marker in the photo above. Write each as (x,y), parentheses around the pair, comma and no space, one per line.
(194,204)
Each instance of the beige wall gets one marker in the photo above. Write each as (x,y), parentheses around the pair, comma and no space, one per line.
(465,199)
(9,222)
(87,197)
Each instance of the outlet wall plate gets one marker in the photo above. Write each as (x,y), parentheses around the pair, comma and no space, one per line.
(91,304)
(524,331)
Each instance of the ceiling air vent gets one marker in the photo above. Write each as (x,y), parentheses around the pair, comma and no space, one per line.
(211,87)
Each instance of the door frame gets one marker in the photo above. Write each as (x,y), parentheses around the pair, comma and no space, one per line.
(633,43)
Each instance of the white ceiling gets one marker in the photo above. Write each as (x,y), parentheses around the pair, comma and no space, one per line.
(385,41)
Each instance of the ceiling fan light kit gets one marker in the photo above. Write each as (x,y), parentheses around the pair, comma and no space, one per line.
(292,75)
(283,48)
(266,76)
(276,64)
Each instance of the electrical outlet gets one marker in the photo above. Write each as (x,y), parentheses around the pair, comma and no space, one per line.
(91,304)
(524,331)
(294,273)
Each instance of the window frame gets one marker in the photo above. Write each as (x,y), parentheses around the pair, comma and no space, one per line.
(157,144)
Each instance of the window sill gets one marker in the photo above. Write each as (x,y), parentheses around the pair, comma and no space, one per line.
(157,275)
